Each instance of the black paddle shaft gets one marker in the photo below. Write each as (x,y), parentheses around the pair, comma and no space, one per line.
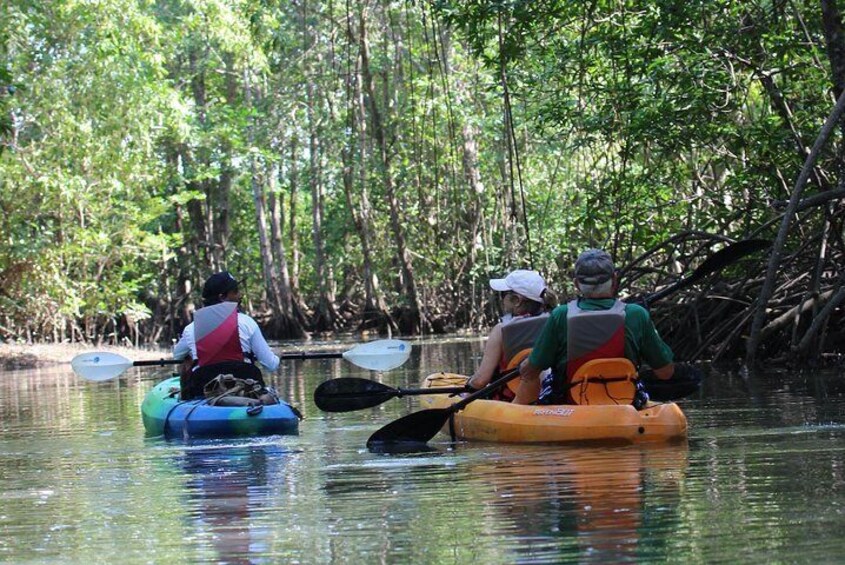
(497,384)
(294,355)
(303,355)
(311,355)
(346,394)
(715,262)
(156,362)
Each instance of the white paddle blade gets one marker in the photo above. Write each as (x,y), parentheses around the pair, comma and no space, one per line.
(99,365)
(382,355)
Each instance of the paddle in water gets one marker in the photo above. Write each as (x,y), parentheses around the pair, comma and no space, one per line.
(420,427)
(381,355)
(685,381)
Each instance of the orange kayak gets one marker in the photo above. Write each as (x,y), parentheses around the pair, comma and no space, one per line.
(495,421)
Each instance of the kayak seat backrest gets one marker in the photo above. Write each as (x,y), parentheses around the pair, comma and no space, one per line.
(204,375)
(604,381)
(513,364)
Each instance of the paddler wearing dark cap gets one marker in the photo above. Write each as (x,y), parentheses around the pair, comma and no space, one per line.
(221,334)
(595,325)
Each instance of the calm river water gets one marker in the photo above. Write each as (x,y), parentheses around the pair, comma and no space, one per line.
(761,479)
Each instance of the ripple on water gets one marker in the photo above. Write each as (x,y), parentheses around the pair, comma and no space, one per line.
(760,480)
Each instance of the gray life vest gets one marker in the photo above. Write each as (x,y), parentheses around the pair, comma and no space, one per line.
(593,334)
(518,337)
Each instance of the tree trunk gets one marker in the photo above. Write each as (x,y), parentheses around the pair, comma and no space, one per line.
(219,204)
(325,315)
(271,275)
(375,310)
(199,235)
(413,319)
(761,305)
(180,305)
(290,308)
(294,199)
(183,304)
(474,212)
(197,210)
(835,43)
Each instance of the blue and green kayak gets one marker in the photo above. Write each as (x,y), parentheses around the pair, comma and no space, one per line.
(165,414)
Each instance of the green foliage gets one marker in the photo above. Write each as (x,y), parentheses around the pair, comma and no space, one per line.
(127,147)
(666,104)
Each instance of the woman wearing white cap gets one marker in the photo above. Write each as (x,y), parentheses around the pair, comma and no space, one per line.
(525,302)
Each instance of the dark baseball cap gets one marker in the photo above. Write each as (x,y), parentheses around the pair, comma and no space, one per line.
(219,283)
(594,266)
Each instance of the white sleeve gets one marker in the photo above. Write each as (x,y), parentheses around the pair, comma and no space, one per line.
(258,346)
(183,348)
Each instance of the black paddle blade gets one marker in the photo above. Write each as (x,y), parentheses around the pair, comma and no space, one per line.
(413,429)
(685,381)
(349,393)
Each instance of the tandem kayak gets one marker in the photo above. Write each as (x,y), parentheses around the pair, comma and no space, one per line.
(496,421)
(164,414)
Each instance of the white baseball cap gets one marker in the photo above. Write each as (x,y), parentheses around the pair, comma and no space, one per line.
(525,283)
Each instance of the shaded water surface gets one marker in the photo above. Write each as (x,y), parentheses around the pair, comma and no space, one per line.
(762,479)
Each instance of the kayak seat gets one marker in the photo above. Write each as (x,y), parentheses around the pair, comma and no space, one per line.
(604,381)
(513,385)
(517,360)
(204,375)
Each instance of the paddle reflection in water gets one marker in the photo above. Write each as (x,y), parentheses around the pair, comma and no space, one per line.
(586,504)
(228,490)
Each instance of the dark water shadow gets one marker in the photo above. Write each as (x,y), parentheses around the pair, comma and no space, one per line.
(400,448)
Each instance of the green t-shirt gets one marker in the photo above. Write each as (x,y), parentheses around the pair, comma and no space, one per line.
(642,342)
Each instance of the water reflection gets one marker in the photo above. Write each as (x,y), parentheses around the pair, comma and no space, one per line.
(763,481)
(583,503)
(228,489)
(505,504)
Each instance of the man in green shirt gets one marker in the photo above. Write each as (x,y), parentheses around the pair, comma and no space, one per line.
(596,325)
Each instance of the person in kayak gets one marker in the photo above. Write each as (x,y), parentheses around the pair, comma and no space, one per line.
(222,339)
(594,326)
(526,302)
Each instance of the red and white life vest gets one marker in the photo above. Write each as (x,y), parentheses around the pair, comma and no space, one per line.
(216,334)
